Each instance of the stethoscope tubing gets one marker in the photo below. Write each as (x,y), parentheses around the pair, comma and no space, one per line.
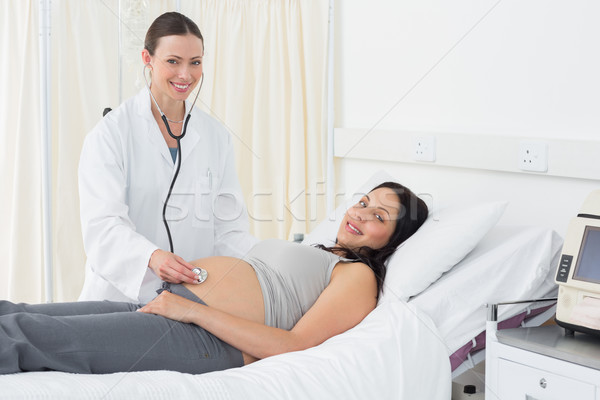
(179,156)
(178,138)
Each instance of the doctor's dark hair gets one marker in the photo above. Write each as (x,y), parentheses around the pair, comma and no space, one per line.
(168,24)
(413,213)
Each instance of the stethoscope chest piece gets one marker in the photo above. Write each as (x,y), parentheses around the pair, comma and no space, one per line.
(201,274)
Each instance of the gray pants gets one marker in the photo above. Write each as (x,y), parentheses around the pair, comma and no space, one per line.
(106,337)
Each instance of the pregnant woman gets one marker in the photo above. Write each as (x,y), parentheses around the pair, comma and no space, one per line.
(280,297)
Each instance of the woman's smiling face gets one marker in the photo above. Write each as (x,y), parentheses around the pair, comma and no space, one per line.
(371,221)
(176,66)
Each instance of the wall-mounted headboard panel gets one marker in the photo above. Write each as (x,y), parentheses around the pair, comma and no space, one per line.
(569,158)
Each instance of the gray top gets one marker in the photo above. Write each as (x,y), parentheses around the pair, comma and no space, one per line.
(291,276)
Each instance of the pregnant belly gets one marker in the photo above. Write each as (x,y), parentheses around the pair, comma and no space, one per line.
(231,286)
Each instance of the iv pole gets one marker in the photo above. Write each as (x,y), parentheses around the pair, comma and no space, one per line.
(46,140)
(330,197)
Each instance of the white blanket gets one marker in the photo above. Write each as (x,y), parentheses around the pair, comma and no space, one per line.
(395,353)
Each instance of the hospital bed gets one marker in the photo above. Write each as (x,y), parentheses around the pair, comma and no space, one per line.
(426,328)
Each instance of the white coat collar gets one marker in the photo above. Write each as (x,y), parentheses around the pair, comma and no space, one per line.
(192,136)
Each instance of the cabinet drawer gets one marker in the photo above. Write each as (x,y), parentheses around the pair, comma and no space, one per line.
(520,382)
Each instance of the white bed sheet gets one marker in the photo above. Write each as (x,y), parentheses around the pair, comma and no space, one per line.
(395,353)
(510,263)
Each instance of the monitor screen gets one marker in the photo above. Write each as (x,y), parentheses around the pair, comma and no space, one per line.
(588,262)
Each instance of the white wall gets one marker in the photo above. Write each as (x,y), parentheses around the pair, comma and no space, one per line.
(525,67)
(500,68)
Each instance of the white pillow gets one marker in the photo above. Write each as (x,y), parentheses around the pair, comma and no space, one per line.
(445,238)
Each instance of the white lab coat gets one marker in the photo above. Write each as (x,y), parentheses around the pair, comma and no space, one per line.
(124,175)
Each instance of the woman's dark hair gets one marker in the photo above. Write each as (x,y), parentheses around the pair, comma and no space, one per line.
(413,212)
(168,24)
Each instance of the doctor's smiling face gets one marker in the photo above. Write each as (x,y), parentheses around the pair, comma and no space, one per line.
(176,67)
(370,222)
(173,50)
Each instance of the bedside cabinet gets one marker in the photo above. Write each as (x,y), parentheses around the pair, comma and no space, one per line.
(542,363)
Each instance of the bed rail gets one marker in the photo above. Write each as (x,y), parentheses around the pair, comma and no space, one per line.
(492,313)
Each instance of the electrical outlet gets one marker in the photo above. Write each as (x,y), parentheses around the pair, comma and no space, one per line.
(533,156)
(424,148)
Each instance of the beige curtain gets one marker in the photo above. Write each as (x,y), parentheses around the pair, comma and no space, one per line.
(21,270)
(84,54)
(265,68)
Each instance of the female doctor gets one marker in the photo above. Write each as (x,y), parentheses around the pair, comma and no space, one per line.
(128,163)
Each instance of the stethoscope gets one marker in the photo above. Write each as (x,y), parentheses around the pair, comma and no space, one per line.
(201,273)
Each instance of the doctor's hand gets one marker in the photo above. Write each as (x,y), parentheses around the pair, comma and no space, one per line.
(171,268)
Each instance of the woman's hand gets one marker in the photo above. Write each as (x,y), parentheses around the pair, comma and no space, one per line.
(171,306)
(171,268)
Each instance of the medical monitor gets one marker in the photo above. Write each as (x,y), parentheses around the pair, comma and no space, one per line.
(588,259)
(578,273)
